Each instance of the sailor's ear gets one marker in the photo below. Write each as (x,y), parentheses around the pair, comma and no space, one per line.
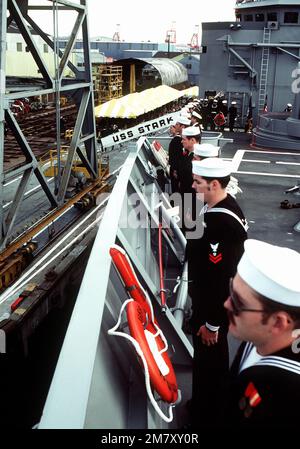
(282,322)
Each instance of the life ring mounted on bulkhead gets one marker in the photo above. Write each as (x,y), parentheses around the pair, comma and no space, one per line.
(160,155)
(161,371)
(146,336)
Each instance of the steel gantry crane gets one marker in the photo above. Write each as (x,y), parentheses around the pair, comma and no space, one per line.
(83,144)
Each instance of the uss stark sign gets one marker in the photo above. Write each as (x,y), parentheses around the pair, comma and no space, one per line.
(139,130)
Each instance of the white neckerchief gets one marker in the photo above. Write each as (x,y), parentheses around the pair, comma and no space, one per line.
(250,359)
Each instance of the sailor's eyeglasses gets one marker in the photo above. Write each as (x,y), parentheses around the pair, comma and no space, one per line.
(237,306)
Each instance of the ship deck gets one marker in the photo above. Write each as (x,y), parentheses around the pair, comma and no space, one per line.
(264,175)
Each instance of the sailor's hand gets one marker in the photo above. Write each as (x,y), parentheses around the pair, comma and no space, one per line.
(208,337)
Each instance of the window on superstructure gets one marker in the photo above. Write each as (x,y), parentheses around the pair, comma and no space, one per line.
(19,46)
(259,17)
(272,16)
(290,17)
(238,17)
(248,18)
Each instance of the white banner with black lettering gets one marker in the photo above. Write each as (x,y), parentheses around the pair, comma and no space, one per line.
(140,130)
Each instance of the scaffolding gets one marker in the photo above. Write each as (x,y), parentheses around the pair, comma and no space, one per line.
(109,82)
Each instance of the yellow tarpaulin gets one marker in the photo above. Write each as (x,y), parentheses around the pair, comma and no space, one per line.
(191,91)
(133,105)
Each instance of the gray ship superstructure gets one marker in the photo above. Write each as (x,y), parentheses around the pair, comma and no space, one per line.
(253,57)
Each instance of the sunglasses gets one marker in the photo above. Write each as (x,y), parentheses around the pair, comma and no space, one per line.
(236,303)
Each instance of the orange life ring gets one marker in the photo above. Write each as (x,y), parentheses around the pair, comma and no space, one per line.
(164,385)
(219,119)
(140,321)
(157,145)
(160,155)
(132,285)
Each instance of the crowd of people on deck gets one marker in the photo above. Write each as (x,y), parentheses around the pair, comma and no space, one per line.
(246,286)
(214,113)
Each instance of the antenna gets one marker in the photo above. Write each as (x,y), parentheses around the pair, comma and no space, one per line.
(194,43)
(171,34)
(116,36)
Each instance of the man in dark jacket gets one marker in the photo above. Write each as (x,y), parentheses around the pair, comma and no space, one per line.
(232,115)
(176,150)
(264,310)
(212,260)
(190,136)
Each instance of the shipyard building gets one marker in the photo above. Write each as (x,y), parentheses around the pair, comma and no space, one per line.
(254,57)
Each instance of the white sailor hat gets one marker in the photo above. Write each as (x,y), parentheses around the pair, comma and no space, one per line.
(289,105)
(196,114)
(224,101)
(185,114)
(212,167)
(206,150)
(272,271)
(233,102)
(183,120)
(191,131)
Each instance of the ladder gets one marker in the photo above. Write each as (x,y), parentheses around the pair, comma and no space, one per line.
(262,96)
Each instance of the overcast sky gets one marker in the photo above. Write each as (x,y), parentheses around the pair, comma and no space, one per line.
(143,20)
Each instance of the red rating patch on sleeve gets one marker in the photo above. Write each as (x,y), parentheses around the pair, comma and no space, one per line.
(215,257)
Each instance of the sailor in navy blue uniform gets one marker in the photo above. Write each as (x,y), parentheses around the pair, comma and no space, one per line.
(190,136)
(264,311)
(204,150)
(212,260)
(196,118)
(176,150)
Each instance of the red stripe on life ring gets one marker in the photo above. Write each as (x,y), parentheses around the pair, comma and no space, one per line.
(164,385)
(129,278)
(157,145)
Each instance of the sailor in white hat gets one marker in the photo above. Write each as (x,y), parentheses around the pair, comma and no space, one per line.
(185,113)
(192,131)
(196,118)
(212,260)
(232,115)
(190,136)
(264,310)
(288,108)
(203,150)
(212,113)
(183,120)
(176,150)
(224,107)
(205,112)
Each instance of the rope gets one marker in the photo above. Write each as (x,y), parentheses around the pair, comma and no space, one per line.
(113,331)
(161,268)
